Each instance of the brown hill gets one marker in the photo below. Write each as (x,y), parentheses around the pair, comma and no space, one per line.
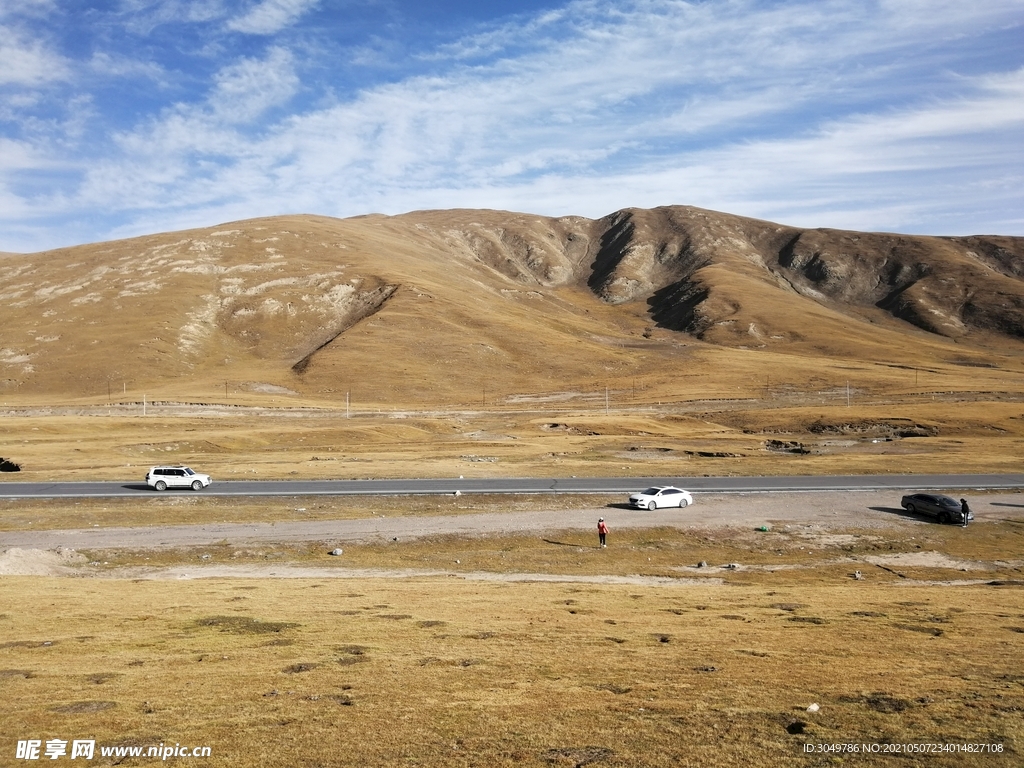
(464,306)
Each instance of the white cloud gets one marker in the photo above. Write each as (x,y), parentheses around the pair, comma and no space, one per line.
(810,113)
(28,62)
(245,90)
(121,66)
(26,7)
(271,16)
(141,17)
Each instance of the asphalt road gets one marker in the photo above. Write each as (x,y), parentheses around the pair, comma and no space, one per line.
(519,485)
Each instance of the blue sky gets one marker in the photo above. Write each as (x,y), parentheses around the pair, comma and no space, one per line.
(129,117)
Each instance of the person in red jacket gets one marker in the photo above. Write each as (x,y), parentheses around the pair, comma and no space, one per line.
(602,531)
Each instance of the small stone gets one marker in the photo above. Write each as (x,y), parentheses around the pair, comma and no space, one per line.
(813,708)
(702,564)
(337,552)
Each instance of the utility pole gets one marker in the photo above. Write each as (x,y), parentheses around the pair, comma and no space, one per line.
(347,412)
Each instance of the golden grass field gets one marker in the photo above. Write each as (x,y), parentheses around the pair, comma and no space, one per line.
(952,433)
(451,671)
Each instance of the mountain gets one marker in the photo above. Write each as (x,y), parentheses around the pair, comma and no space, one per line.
(471,305)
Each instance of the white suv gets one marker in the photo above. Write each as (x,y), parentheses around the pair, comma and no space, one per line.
(163,478)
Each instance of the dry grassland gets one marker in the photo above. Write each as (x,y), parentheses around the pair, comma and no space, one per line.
(952,432)
(442,673)
(717,667)
(197,509)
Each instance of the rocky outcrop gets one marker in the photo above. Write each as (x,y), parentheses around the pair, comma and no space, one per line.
(666,257)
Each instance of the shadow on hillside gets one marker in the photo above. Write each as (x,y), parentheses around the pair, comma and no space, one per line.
(136,487)
(620,505)
(1004,504)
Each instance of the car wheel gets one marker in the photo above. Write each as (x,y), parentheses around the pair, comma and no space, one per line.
(160,485)
(944,518)
(911,509)
(197,485)
(652,506)
(683,503)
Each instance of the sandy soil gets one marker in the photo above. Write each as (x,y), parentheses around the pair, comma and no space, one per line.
(54,552)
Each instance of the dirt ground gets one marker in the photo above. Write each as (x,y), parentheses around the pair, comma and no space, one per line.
(55,552)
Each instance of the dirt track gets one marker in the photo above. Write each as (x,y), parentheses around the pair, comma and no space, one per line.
(861,509)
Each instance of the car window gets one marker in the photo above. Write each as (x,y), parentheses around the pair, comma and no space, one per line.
(189,471)
(651,492)
(670,491)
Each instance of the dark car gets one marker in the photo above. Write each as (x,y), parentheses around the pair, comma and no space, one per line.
(942,508)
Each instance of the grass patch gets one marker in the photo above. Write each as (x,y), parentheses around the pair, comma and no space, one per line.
(244,625)
(188,509)
(789,554)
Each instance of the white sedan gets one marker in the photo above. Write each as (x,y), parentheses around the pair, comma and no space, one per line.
(661,496)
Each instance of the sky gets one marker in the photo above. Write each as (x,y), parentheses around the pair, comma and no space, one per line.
(128,117)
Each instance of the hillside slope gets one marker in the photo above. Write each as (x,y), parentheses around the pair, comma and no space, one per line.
(435,306)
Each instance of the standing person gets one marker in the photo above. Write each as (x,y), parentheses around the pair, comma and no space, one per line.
(965,512)
(602,531)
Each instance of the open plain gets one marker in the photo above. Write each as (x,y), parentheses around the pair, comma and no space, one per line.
(491,630)
(695,638)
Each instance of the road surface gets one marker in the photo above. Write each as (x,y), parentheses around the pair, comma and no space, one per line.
(402,487)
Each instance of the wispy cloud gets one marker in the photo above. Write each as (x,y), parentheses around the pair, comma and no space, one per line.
(270,16)
(901,115)
(246,89)
(27,61)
